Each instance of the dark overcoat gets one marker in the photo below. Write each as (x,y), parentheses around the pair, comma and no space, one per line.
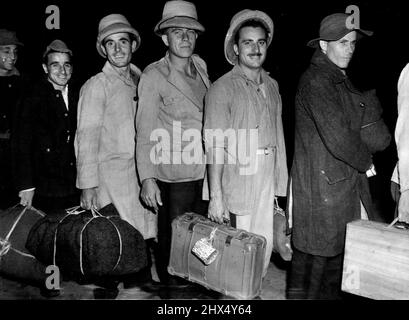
(43,141)
(330,159)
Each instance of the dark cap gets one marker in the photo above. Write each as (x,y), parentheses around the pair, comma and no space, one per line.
(8,37)
(335,27)
(57,46)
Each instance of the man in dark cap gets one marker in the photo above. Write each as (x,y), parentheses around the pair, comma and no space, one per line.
(329,186)
(44,136)
(10,88)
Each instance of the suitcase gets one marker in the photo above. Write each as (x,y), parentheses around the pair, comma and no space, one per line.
(238,266)
(376,261)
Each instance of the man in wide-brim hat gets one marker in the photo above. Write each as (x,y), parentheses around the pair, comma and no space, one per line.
(329,187)
(171,97)
(105,139)
(247,100)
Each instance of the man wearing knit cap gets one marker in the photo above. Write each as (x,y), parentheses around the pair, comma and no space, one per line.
(105,139)
(247,100)
(171,97)
(10,88)
(44,135)
(329,182)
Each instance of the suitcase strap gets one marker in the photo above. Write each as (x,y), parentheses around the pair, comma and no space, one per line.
(192,225)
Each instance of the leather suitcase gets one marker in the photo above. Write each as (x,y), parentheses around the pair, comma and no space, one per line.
(238,266)
(376,261)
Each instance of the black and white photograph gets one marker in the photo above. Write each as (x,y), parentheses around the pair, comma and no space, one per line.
(224,153)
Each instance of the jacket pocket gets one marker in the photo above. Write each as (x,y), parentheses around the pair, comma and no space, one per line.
(175,107)
(336,174)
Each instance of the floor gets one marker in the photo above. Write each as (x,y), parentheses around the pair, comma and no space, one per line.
(273,288)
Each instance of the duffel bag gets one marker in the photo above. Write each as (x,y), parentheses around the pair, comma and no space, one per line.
(86,243)
(15,259)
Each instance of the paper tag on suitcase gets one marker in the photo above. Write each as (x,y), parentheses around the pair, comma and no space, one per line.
(204,250)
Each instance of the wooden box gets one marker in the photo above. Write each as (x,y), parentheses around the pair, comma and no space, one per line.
(376,262)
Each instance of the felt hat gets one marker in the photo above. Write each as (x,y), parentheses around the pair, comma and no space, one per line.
(335,27)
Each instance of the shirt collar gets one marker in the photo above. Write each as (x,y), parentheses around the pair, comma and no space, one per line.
(112,74)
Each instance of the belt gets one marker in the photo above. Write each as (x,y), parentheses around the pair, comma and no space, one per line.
(266,151)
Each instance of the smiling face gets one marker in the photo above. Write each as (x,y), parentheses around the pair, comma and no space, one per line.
(8,58)
(118,48)
(58,69)
(340,52)
(181,41)
(251,47)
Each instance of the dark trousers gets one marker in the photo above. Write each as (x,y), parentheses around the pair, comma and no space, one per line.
(177,198)
(8,194)
(315,277)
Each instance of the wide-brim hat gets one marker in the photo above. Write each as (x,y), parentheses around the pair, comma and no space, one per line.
(235,24)
(8,37)
(57,46)
(179,13)
(111,24)
(335,27)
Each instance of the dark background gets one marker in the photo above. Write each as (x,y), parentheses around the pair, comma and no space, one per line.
(377,61)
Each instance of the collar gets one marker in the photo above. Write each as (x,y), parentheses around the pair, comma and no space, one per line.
(237,72)
(113,74)
(321,61)
(13,72)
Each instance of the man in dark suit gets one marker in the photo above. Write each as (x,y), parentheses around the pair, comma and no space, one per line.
(10,87)
(44,155)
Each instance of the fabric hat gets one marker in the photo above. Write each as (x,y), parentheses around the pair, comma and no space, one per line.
(114,23)
(178,13)
(335,27)
(8,37)
(58,46)
(237,20)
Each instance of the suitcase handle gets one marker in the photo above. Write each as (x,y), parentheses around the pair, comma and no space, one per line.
(399,225)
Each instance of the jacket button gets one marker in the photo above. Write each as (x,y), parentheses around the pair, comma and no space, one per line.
(47,150)
(322,171)
(65,114)
(10,85)
(4,116)
(71,163)
(68,131)
(362,105)
(135,98)
(57,95)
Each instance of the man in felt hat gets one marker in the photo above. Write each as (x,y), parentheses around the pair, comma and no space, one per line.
(44,135)
(329,186)
(10,88)
(105,139)
(246,100)
(171,97)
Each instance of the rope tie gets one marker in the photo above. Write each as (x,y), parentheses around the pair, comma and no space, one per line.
(95,214)
(5,244)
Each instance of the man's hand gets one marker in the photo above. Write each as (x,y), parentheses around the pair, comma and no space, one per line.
(150,194)
(217,209)
(89,198)
(26,198)
(403,209)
